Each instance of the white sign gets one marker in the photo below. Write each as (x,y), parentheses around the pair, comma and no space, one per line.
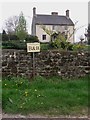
(33,47)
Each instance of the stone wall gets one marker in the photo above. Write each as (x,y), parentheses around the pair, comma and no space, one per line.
(47,63)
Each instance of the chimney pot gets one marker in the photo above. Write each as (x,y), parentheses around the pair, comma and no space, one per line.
(54,13)
(34,11)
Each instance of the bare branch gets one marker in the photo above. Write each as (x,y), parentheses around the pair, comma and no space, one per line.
(11,24)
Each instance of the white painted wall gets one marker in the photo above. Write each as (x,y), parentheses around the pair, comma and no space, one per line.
(40,32)
(71,39)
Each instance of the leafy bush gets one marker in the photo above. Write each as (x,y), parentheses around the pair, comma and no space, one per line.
(31,38)
(13,44)
(18,44)
(13,37)
(55,44)
(87,47)
(88,34)
(7,37)
(79,46)
(59,41)
(44,46)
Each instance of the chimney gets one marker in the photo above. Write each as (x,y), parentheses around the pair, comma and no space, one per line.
(54,13)
(34,11)
(67,13)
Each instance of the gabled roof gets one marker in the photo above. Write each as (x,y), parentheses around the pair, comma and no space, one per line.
(53,20)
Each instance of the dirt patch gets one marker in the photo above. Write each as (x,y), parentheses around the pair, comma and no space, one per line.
(4,115)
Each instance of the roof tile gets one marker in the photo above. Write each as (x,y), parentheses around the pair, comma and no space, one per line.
(53,20)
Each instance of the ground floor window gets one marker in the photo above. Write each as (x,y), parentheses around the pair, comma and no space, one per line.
(43,37)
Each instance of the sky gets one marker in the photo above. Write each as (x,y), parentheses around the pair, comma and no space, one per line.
(78,11)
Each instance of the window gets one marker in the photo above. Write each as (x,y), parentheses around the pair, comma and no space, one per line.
(53,27)
(43,37)
(66,27)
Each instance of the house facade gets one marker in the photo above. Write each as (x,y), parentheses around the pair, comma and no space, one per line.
(53,22)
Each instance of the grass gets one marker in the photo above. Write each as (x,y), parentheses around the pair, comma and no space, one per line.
(87,48)
(45,96)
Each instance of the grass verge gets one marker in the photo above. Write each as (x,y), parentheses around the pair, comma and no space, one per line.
(45,96)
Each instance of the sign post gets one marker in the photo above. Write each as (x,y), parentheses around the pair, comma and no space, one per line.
(33,47)
(33,64)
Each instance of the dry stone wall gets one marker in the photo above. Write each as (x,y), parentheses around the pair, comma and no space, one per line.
(47,63)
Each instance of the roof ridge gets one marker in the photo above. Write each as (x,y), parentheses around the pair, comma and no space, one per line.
(50,15)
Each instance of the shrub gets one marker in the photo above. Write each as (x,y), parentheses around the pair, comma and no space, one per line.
(18,44)
(13,37)
(70,47)
(55,44)
(13,45)
(44,46)
(7,37)
(78,46)
(31,38)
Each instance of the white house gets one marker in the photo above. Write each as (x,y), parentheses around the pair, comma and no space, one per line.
(53,22)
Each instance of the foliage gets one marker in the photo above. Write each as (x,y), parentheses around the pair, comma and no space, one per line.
(70,46)
(44,46)
(88,34)
(13,37)
(21,30)
(47,96)
(58,40)
(13,44)
(7,37)
(4,36)
(16,28)
(49,32)
(87,48)
(78,47)
(30,38)
(61,42)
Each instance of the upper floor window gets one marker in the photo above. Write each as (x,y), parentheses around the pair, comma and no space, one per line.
(66,27)
(53,27)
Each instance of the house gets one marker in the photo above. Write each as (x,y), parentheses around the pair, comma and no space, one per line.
(53,22)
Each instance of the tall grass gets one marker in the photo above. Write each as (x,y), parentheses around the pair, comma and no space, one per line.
(51,96)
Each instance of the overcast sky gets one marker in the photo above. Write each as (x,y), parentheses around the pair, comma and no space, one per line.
(78,12)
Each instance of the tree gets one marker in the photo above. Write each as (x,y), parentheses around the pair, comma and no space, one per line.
(11,25)
(4,36)
(58,40)
(21,30)
(61,42)
(88,34)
